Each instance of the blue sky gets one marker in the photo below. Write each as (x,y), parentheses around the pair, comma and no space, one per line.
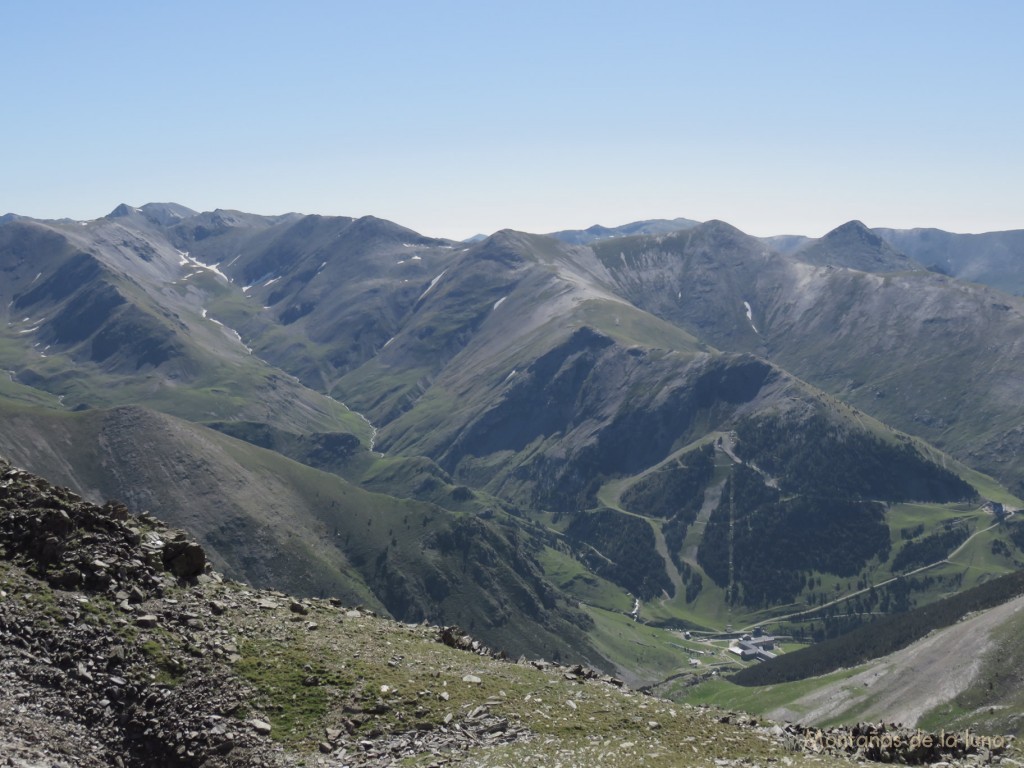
(455,118)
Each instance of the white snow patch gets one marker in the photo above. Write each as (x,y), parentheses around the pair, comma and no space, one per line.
(431,286)
(247,288)
(204,314)
(234,260)
(750,316)
(498,303)
(417,258)
(215,268)
(401,261)
(388,342)
(513,373)
(36,277)
(239,337)
(271,281)
(12,374)
(31,330)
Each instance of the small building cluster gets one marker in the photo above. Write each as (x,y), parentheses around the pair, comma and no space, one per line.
(756,646)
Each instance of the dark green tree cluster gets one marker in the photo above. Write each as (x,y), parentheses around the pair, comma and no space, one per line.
(777,542)
(931,548)
(1016,531)
(621,548)
(818,457)
(676,490)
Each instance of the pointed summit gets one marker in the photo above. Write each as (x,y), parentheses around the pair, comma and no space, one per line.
(855,246)
(122,210)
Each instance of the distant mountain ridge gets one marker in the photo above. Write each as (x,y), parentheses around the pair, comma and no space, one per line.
(455,430)
(647,227)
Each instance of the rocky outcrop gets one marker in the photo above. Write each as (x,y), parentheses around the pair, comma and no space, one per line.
(72,543)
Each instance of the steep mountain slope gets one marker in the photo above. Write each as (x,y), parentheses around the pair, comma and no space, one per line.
(930,355)
(276,523)
(323,295)
(930,674)
(562,388)
(107,312)
(616,423)
(951,665)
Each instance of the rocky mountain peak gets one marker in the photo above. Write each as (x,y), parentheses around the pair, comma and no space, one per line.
(854,231)
(855,246)
(121,211)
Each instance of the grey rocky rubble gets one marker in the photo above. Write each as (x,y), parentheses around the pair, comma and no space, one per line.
(82,681)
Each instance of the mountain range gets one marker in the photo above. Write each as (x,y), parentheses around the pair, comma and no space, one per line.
(540,438)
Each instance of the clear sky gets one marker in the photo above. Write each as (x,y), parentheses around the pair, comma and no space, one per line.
(461,117)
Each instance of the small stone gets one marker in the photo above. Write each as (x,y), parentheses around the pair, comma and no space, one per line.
(146,621)
(261,726)
(325,747)
(472,679)
(218,608)
(296,607)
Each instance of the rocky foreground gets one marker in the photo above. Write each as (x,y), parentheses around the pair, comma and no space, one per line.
(119,646)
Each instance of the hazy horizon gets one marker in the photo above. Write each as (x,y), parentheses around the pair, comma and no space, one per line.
(455,119)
